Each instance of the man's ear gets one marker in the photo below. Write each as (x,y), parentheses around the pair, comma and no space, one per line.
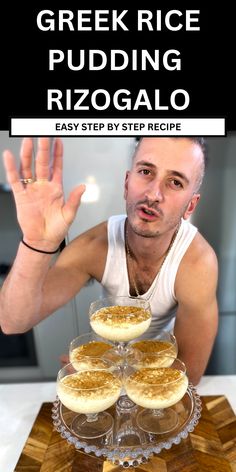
(191,206)
(126,184)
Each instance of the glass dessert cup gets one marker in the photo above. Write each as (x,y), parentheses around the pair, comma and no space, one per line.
(163,343)
(156,383)
(89,392)
(90,345)
(120,320)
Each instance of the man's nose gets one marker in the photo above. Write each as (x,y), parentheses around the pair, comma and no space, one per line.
(154,192)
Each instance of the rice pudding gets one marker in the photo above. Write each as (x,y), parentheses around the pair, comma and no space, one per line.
(156,353)
(120,323)
(79,356)
(156,388)
(90,391)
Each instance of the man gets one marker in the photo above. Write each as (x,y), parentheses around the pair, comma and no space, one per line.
(154,252)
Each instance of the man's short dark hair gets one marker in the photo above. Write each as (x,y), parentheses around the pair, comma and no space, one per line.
(203,145)
(198,140)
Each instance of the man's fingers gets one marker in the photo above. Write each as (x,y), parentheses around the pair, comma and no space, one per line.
(12,173)
(71,206)
(42,162)
(26,158)
(57,162)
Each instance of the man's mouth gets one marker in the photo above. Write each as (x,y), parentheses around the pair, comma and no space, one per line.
(150,213)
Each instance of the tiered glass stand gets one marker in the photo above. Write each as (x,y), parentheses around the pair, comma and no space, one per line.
(126,444)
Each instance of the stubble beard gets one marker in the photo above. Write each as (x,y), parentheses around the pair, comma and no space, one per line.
(165,225)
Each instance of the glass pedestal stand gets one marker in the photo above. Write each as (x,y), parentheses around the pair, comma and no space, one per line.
(126,444)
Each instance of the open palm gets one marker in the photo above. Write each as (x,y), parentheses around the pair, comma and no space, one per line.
(43,215)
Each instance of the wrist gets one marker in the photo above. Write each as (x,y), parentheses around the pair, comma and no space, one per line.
(42,246)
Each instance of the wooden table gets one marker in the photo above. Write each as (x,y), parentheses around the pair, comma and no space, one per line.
(211,447)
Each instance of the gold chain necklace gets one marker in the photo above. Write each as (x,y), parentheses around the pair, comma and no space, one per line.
(131,260)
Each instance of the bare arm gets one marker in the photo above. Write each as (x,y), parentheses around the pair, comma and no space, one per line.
(197,316)
(44,218)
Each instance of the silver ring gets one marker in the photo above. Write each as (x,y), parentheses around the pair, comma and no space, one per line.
(27,181)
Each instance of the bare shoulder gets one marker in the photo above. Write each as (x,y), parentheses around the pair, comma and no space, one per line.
(200,252)
(198,268)
(88,251)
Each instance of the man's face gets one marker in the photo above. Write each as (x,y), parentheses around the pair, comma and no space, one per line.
(160,187)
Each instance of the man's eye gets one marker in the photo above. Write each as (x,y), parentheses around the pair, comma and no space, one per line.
(176,183)
(145,171)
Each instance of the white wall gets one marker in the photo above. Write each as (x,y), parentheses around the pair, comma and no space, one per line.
(7,143)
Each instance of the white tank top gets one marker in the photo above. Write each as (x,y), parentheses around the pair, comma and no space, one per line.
(161,294)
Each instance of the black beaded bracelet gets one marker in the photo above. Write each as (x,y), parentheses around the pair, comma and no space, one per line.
(39,250)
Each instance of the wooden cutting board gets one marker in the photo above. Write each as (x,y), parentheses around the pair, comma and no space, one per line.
(211,447)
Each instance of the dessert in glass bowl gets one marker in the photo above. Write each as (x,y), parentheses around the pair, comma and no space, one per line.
(88,345)
(88,393)
(164,344)
(120,319)
(156,389)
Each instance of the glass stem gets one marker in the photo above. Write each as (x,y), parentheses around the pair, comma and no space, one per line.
(92,417)
(158,413)
(122,348)
(124,404)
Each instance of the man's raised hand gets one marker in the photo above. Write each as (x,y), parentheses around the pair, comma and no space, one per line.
(42,213)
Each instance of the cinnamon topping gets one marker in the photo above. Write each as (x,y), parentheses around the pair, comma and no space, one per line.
(158,376)
(93,348)
(121,315)
(94,383)
(153,346)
